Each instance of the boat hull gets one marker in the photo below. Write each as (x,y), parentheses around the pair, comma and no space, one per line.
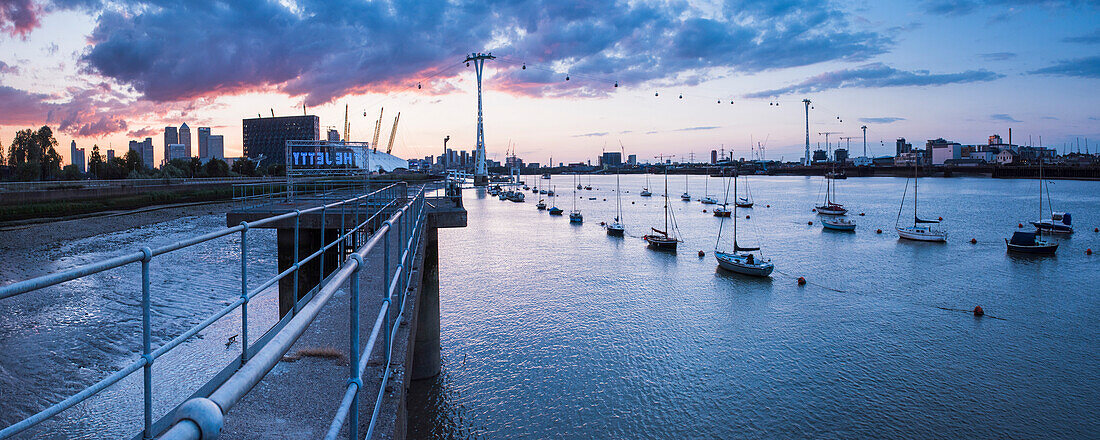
(847,227)
(661,243)
(576,218)
(721,213)
(831,210)
(744,205)
(922,235)
(1056,228)
(555,211)
(739,264)
(1044,249)
(615,230)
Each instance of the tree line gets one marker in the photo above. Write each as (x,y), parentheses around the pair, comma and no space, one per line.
(33,156)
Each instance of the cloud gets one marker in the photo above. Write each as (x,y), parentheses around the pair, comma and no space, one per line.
(143,132)
(19,17)
(998,56)
(963,7)
(1003,117)
(94,111)
(1091,38)
(882,120)
(708,127)
(1088,67)
(324,49)
(598,134)
(877,75)
(5,68)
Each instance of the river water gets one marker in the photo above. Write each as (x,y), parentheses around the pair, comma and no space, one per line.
(554,330)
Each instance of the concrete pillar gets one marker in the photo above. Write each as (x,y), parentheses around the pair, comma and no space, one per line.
(309,275)
(426,357)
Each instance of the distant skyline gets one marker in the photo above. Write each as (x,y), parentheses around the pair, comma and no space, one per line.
(108,72)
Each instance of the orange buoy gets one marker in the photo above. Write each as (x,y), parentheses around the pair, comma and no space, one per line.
(1088,251)
(602,223)
(801,281)
(1095,229)
(631,203)
(878,231)
(747,216)
(701,253)
(605,200)
(767,206)
(810,223)
(941,219)
(704,210)
(973,241)
(978,311)
(861,214)
(813,210)
(1019,225)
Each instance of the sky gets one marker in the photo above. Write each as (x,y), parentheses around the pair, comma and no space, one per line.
(692,76)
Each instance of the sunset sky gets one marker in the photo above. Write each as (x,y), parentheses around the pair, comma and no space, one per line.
(106,72)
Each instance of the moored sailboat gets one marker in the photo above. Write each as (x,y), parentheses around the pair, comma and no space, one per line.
(921,229)
(741,260)
(1032,242)
(661,239)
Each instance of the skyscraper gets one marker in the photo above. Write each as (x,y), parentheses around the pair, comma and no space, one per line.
(185,137)
(171,136)
(216,147)
(333,134)
(204,146)
(76,157)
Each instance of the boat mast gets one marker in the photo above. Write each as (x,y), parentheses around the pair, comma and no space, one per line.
(1041,198)
(666,201)
(735,216)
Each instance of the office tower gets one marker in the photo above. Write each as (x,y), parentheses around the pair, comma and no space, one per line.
(267,137)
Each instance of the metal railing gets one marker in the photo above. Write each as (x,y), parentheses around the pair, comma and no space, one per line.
(202,417)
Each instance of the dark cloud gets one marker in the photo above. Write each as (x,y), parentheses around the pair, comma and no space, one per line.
(881,120)
(597,134)
(1088,67)
(877,75)
(1091,38)
(5,68)
(708,127)
(324,49)
(80,112)
(1003,117)
(963,7)
(998,56)
(19,17)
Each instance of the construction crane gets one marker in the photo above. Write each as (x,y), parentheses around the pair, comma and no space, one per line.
(377,128)
(393,134)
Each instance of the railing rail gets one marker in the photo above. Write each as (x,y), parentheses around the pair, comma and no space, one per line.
(201,417)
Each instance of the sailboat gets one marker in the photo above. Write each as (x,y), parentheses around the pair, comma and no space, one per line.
(616,228)
(723,210)
(589,186)
(741,260)
(575,215)
(661,239)
(541,205)
(921,229)
(1032,242)
(744,202)
(707,198)
(645,190)
(554,209)
(686,196)
(830,207)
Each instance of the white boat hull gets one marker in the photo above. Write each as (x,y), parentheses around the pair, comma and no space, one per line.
(922,234)
(739,264)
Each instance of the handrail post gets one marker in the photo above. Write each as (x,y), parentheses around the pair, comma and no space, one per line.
(297,222)
(353,366)
(146,342)
(386,287)
(321,276)
(244,293)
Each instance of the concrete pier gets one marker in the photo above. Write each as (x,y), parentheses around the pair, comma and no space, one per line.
(299,396)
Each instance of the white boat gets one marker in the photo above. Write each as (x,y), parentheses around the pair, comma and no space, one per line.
(921,230)
(745,202)
(616,227)
(516,196)
(645,190)
(721,211)
(707,199)
(575,215)
(838,224)
(686,196)
(830,207)
(1058,223)
(741,260)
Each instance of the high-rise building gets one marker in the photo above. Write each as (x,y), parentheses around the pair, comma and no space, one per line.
(76,157)
(144,149)
(632,159)
(713,156)
(611,159)
(185,137)
(840,155)
(465,158)
(820,156)
(110,155)
(267,136)
(171,136)
(902,147)
(215,147)
(176,151)
(333,134)
(204,139)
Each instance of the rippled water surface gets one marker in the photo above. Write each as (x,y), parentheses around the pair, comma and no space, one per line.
(553,330)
